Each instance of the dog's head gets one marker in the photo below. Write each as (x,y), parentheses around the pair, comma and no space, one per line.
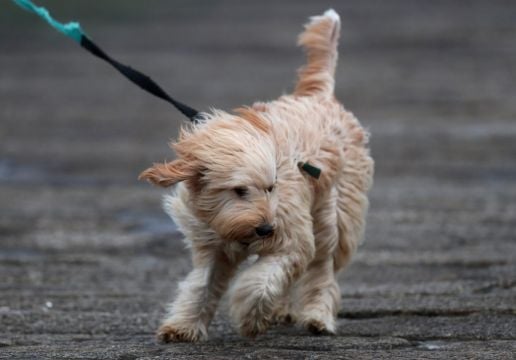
(228,163)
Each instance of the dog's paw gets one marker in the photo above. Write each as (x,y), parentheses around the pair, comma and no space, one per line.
(253,324)
(174,333)
(282,316)
(251,316)
(318,323)
(318,327)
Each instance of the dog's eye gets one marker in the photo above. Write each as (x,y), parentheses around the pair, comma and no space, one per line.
(270,188)
(241,191)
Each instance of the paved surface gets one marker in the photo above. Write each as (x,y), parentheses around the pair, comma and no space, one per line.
(88,259)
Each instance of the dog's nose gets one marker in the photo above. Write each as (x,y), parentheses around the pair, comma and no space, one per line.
(264,230)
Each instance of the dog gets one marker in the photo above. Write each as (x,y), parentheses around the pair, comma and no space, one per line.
(241,193)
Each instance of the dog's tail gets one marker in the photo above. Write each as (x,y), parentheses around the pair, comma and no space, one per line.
(320,40)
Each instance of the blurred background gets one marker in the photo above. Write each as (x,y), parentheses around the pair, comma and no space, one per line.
(87,257)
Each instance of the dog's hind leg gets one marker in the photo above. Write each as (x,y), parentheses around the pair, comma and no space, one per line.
(317,293)
(352,185)
(320,40)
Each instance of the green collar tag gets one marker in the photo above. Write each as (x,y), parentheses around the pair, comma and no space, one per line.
(311,170)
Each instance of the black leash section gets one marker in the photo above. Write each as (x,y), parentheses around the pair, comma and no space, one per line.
(142,80)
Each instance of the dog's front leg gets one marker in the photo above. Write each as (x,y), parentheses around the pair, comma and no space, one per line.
(260,288)
(198,295)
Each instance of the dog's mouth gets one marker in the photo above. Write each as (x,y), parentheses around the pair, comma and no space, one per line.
(249,241)
(254,238)
(245,242)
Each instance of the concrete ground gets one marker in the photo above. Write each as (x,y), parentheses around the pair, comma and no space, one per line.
(88,259)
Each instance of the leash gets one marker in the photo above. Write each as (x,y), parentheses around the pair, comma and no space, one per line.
(74,31)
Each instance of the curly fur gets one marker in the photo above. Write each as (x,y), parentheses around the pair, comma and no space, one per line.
(237,172)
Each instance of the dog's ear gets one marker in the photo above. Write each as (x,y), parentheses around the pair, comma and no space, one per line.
(168,174)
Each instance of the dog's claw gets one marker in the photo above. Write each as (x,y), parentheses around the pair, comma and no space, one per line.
(170,333)
(319,327)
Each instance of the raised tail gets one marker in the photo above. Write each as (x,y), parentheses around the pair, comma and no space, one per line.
(320,40)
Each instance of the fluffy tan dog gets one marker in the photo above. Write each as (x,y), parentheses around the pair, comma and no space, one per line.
(241,192)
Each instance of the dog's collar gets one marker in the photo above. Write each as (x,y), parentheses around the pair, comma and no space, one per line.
(75,32)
